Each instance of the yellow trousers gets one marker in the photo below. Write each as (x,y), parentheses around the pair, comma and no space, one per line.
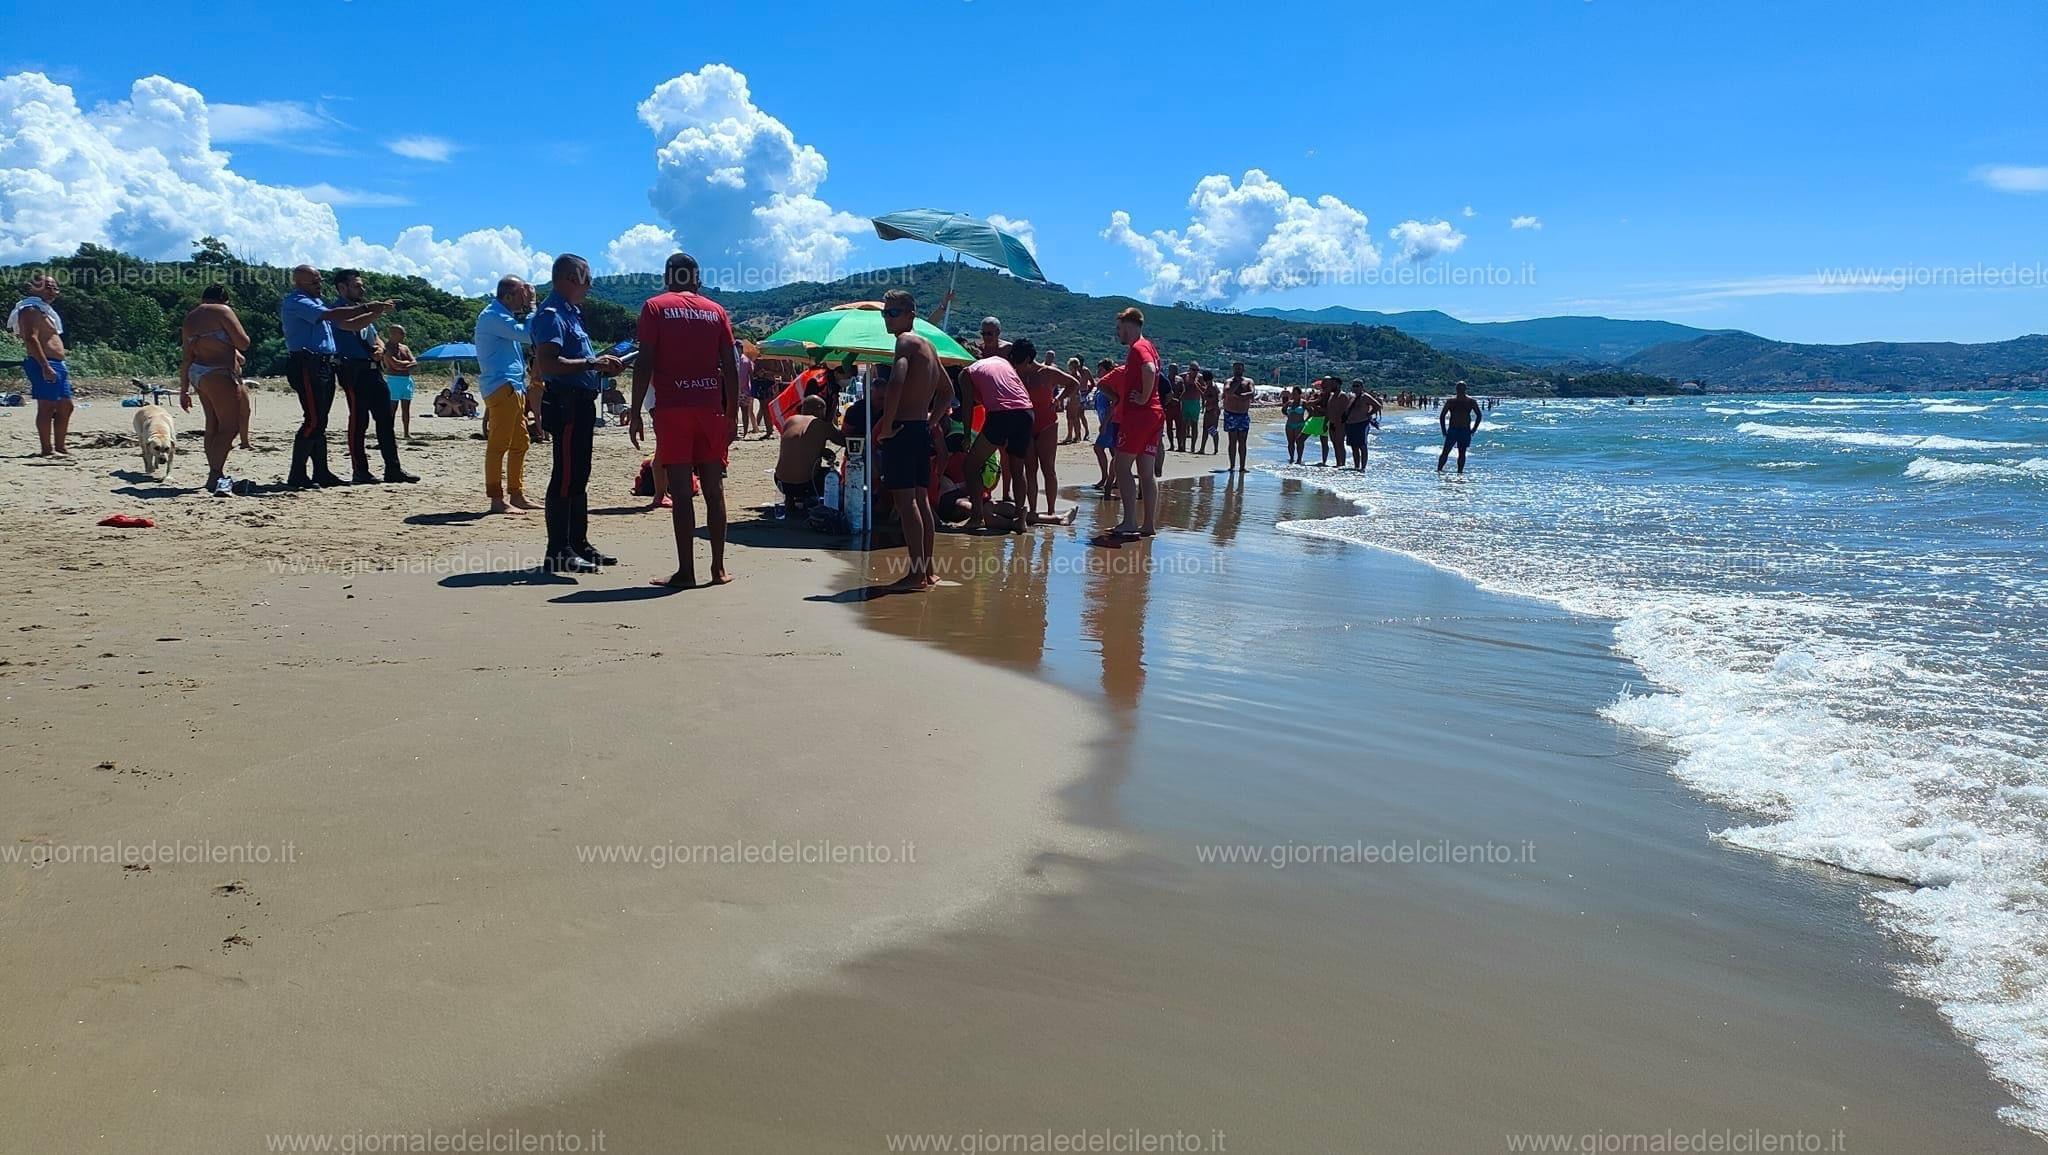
(505,443)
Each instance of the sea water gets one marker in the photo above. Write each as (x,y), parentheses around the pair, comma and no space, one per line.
(1837,605)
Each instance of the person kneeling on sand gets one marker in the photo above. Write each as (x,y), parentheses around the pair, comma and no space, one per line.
(797,472)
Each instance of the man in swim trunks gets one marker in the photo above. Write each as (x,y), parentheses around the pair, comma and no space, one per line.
(804,437)
(1191,408)
(1358,422)
(1106,400)
(1212,411)
(41,330)
(1141,420)
(918,390)
(1458,418)
(398,366)
(1336,403)
(686,352)
(1237,417)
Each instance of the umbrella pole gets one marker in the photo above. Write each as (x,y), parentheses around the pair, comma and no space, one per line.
(946,310)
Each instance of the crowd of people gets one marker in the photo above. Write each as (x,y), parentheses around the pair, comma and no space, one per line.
(972,444)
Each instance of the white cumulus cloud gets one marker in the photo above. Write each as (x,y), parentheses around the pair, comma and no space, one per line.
(2014,178)
(268,122)
(1469,212)
(1017,227)
(353,197)
(1419,242)
(428,148)
(1525,223)
(737,188)
(640,249)
(1248,236)
(141,175)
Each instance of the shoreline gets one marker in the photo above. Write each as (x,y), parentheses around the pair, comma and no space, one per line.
(1089,974)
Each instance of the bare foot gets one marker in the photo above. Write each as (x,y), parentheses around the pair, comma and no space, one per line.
(682,579)
(720,578)
(910,583)
(498,506)
(519,501)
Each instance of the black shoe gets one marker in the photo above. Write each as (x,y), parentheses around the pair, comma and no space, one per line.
(329,481)
(362,477)
(589,553)
(569,563)
(399,477)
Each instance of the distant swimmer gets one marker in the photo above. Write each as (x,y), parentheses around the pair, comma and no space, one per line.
(1358,422)
(1458,418)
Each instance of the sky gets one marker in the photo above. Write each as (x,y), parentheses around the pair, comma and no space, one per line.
(1814,172)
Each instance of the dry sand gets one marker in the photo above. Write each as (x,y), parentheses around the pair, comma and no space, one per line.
(426,747)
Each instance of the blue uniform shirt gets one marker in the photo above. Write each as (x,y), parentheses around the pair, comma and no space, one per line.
(304,331)
(559,323)
(351,344)
(499,335)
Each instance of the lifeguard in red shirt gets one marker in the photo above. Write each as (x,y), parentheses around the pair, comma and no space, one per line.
(686,354)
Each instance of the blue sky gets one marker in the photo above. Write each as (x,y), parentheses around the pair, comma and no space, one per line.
(1712,164)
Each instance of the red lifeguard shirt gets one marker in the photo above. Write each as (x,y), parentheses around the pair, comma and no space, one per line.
(1141,354)
(684,337)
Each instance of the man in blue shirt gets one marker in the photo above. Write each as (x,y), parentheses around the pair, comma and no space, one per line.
(500,337)
(574,375)
(362,382)
(309,367)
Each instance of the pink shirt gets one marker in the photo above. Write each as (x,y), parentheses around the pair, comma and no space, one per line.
(997,385)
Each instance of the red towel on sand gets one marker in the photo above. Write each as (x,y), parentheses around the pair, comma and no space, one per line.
(128,521)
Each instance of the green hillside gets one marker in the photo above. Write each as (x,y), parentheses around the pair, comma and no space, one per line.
(1076,324)
(1536,341)
(122,316)
(1746,361)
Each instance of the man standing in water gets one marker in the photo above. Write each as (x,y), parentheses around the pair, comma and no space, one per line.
(1336,403)
(1237,417)
(1458,418)
(902,447)
(1141,419)
(41,330)
(686,352)
(1365,409)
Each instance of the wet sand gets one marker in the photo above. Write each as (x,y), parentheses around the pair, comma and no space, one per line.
(437,743)
(1622,980)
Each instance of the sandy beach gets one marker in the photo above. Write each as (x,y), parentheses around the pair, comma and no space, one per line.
(994,911)
(413,755)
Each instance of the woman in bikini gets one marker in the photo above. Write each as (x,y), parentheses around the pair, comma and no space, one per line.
(1077,407)
(214,341)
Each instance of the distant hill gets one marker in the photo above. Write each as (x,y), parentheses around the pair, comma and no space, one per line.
(122,316)
(1536,341)
(1077,324)
(1746,361)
